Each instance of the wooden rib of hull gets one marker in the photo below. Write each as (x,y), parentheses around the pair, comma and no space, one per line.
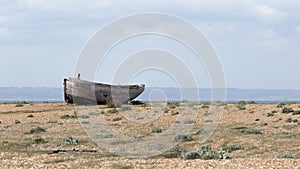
(84,92)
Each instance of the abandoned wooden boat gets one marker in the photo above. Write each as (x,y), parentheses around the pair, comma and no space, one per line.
(79,91)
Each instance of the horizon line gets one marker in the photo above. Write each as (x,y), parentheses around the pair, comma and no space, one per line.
(236,88)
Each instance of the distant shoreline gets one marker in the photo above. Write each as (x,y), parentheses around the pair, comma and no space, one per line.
(204,101)
(44,94)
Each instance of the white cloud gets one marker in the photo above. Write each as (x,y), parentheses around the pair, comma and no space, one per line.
(267,13)
(232,19)
(265,10)
(65,6)
(238,27)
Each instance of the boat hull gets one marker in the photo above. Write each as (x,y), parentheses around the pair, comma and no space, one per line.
(78,91)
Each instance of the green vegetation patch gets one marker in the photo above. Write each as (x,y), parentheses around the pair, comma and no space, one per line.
(17,122)
(183,138)
(69,141)
(285,156)
(287,110)
(112,104)
(231,148)
(290,120)
(296,112)
(66,116)
(112,111)
(272,113)
(37,130)
(280,105)
(205,153)
(250,131)
(117,119)
(173,104)
(157,130)
(83,116)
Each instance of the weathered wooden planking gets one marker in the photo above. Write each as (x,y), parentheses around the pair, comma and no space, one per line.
(84,92)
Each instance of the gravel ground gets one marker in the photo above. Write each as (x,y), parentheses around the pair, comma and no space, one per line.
(18,149)
(19,160)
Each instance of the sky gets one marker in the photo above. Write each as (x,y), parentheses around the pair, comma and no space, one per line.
(257,41)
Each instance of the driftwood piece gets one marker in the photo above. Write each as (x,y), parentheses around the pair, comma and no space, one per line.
(71,151)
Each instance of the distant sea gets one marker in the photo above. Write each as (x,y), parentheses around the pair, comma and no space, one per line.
(47,94)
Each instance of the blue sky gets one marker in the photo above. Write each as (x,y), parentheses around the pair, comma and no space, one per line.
(258,42)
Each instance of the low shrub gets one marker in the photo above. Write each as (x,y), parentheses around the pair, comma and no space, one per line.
(242,103)
(241,107)
(290,120)
(189,122)
(296,112)
(19,105)
(272,113)
(208,121)
(285,156)
(207,114)
(85,122)
(205,153)
(183,138)
(52,122)
(39,140)
(199,131)
(30,115)
(112,111)
(37,130)
(173,104)
(231,148)
(69,141)
(174,113)
(290,135)
(251,131)
(112,104)
(156,130)
(280,105)
(117,119)
(17,122)
(83,116)
(139,138)
(251,102)
(205,106)
(66,116)
(287,110)
(190,155)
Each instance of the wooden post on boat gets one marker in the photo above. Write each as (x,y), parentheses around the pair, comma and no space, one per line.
(65,90)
